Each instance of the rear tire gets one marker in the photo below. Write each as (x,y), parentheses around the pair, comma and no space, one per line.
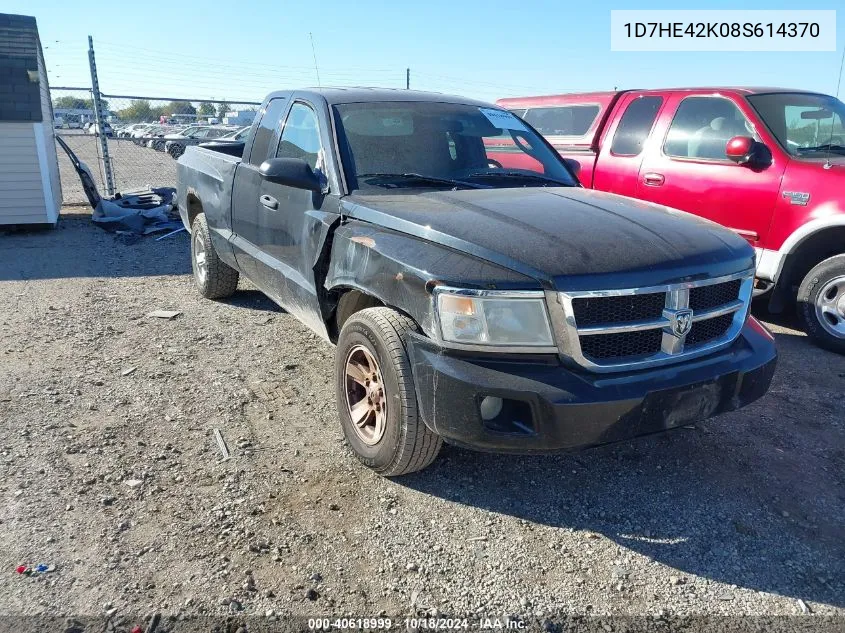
(214,278)
(371,345)
(821,304)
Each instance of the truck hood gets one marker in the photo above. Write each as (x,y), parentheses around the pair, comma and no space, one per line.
(566,238)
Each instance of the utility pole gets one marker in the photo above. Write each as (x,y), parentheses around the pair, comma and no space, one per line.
(407,79)
(99,118)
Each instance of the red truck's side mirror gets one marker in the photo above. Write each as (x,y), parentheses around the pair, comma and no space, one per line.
(740,149)
(574,166)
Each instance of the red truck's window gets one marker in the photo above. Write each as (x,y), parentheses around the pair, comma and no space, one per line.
(703,126)
(572,120)
(804,124)
(635,126)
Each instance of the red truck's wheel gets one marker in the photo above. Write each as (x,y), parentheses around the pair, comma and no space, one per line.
(821,303)
(376,400)
(214,278)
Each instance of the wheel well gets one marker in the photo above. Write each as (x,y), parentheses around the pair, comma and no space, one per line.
(816,248)
(350,301)
(194,208)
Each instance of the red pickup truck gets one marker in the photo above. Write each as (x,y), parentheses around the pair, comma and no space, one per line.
(768,163)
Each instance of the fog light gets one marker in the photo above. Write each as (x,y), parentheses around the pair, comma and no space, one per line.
(490,407)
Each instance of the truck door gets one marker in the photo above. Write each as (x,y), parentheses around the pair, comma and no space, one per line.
(289,220)
(247,214)
(621,152)
(688,169)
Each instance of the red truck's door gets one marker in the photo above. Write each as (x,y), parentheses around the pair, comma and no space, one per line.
(623,142)
(684,166)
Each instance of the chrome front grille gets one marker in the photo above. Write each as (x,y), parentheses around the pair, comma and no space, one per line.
(611,330)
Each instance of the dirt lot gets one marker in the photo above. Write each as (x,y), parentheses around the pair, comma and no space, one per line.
(109,470)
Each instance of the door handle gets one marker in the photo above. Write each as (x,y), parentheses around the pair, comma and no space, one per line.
(653,179)
(269,202)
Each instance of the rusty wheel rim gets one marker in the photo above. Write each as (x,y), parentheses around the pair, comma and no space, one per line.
(365,398)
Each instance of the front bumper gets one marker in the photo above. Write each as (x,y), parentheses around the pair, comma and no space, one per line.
(551,407)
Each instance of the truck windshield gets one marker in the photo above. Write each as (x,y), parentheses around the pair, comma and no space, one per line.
(420,144)
(804,124)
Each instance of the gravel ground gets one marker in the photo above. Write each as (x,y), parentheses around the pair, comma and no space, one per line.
(109,470)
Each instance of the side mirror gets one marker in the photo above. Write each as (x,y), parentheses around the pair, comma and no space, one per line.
(744,150)
(291,172)
(574,165)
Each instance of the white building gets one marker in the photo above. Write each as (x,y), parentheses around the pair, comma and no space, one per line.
(239,117)
(30,189)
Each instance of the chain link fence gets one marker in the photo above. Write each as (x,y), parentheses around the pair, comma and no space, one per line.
(145,136)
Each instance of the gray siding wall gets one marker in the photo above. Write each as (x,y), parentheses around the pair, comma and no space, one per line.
(49,135)
(21,189)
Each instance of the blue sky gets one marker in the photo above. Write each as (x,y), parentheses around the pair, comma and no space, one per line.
(242,50)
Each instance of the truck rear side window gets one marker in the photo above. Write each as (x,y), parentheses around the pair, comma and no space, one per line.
(266,129)
(635,126)
(572,120)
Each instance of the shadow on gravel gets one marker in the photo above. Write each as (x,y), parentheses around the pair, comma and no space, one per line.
(76,248)
(252,300)
(740,500)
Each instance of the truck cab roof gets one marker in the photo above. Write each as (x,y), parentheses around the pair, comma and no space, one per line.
(363,95)
(607,96)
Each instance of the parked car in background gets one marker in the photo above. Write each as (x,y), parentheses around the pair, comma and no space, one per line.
(767,163)
(502,309)
(176,143)
(129,130)
(93,128)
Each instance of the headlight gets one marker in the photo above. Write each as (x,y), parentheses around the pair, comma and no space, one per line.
(490,317)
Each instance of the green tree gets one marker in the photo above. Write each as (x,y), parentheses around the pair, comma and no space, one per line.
(77,103)
(180,107)
(222,108)
(206,109)
(138,110)
(72,103)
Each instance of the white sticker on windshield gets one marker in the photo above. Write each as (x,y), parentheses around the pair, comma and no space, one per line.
(503,119)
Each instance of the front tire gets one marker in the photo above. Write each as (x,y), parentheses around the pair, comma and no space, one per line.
(376,399)
(214,278)
(821,304)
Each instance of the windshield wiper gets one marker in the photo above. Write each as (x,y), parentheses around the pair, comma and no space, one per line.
(421,178)
(520,175)
(827,147)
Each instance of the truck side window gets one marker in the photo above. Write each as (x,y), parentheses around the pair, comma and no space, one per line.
(635,126)
(572,120)
(301,135)
(703,126)
(265,131)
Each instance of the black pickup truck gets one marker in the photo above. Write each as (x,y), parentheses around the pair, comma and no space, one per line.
(499,308)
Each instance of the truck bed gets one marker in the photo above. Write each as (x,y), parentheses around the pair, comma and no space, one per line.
(208,170)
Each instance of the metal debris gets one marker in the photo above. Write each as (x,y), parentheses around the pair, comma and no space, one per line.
(164,314)
(179,230)
(222,444)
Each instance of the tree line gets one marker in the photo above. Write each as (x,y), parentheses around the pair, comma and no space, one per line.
(142,110)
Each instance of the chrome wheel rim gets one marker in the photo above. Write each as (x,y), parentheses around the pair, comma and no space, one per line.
(365,398)
(200,257)
(830,307)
